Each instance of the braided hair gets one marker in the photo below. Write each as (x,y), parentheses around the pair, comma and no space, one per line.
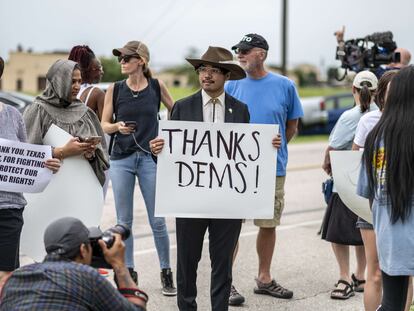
(1,66)
(83,55)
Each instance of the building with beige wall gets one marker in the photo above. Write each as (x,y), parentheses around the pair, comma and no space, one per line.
(25,71)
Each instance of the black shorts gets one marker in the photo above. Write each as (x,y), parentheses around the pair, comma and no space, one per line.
(11,223)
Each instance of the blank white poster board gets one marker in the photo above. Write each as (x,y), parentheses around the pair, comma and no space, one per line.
(345,170)
(74,191)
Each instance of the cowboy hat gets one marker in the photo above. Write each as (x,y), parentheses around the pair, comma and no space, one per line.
(220,58)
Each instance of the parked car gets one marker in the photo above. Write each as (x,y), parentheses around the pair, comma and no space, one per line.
(321,113)
(18,100)
(336,105)
(314,113)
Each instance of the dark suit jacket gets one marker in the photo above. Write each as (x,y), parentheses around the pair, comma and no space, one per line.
(191,109)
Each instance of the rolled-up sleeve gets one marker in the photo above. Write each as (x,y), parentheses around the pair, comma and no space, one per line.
(363,188)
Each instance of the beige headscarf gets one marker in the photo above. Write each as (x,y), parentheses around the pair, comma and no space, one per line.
(55,106)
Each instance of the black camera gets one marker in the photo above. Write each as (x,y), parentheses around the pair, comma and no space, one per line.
(368,53)
(98,260)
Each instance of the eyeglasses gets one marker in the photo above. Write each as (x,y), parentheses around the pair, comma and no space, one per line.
(242,51)
(126,58)
(204,70)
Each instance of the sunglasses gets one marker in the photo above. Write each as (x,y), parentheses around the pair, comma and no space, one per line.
(242,51)
(126,58)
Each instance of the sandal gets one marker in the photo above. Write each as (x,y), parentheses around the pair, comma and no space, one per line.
(357,284)
(344,293)
(272,289)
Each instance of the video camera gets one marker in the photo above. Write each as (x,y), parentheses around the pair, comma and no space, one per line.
(368,53)
(98,260)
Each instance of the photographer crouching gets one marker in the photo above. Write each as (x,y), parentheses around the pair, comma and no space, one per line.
(66,281)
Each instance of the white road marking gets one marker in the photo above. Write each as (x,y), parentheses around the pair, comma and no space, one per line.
(243,234)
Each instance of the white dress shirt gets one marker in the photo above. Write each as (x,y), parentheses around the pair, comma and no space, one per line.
(209,109)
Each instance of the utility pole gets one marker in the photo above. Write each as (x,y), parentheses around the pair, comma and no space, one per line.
(284,36)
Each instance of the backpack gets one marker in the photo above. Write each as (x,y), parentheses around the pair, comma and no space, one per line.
(154,84)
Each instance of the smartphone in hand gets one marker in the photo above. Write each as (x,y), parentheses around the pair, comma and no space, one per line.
(131,124)
(94,140)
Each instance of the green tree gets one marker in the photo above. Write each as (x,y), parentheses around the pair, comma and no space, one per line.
(112,69)
(186,68)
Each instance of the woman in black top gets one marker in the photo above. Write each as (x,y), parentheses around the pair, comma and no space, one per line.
(135,103)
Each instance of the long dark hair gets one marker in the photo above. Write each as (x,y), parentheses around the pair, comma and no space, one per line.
(83,55)
(382,88)
(395,131)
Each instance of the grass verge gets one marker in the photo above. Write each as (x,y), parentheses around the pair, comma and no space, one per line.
(309,139)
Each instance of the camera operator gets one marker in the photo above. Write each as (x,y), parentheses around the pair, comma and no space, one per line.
(400,59)
(405,58)
(65,281)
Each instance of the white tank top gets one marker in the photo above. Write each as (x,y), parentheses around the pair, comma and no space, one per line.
(83,88)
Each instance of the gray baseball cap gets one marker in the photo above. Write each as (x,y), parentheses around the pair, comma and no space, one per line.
(64,236)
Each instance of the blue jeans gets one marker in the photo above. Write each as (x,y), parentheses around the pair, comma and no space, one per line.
(122,173)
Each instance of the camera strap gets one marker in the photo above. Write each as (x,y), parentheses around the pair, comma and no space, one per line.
(133,292)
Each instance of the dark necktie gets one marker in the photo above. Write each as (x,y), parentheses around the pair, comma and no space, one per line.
(214,101)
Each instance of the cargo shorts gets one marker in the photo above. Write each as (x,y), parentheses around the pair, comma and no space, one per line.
(278,207)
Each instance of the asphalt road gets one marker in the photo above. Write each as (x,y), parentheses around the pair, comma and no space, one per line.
(302,261)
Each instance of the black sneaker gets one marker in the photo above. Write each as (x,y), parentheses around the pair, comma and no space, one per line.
(134,276)
(167,283)
(235,299)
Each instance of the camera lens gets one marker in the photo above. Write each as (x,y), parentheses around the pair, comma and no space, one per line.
(123,230)
(108,235)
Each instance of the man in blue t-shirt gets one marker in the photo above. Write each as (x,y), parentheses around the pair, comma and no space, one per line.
(271,99)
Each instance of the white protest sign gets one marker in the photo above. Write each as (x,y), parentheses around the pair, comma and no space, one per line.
(216,170)
(74,191)
(22,166)
(345,171)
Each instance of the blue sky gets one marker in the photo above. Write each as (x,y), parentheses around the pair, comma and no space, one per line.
(171,27)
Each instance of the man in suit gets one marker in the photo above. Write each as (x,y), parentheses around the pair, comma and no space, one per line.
(210,104)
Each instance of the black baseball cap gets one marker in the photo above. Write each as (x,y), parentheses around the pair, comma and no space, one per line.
(250,41)
(64,236)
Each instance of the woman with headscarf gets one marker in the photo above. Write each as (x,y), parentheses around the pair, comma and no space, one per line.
(12,203)
(58,105)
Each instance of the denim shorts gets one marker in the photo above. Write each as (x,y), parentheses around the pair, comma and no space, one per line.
(365,225)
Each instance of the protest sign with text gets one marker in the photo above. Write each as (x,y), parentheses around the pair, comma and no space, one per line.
(22,166)
(216,170)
